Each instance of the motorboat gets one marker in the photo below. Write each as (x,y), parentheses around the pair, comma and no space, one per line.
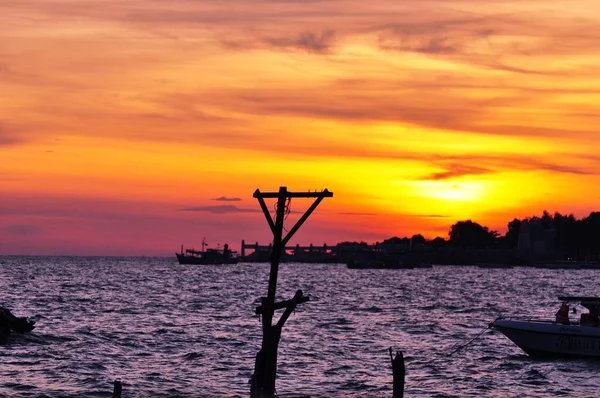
(562,336)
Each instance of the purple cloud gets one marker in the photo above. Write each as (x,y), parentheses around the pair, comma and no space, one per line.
(226,199)
(221,209)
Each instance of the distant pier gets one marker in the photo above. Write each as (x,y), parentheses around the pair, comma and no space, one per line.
(340,253)
(406,254)
(303,254)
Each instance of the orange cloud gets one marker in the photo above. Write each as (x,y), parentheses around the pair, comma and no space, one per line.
(128,111)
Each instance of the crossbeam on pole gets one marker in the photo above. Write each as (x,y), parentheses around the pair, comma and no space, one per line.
(271,195)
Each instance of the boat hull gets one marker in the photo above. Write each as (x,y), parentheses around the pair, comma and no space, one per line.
(193,260)
(549,339)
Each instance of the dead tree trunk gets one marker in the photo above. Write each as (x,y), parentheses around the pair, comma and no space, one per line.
(265,367)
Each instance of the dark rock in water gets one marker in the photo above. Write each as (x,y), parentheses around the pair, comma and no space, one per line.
(4,332)
(10,323)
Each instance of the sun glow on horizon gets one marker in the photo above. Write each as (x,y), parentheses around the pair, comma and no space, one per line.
(451,190)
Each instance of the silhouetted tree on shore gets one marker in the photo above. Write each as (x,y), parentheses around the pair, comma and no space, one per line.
(418,239)
(471,234)
(574,238)
(438,242)
(511,238)
(577,239)
(396,241)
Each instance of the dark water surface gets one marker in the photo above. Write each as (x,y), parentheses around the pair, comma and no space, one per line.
(168,330)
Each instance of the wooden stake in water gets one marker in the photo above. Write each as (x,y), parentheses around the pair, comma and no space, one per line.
(117,389)
(399,371)
(265,367)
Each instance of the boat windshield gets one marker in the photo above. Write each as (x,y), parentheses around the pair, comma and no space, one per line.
(591,303)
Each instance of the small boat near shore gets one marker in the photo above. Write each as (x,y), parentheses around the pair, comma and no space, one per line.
(10,323)
(207,256)
(569,264)
(559,337)
(381,264)
(494,265)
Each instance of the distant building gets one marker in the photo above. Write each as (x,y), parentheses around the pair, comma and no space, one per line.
(524,242)
(536,243)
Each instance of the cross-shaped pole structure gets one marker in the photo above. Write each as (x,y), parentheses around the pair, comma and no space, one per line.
(265,368)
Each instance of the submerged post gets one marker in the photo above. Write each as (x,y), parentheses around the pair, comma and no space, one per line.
(117,389)
(265,367)
(399,371)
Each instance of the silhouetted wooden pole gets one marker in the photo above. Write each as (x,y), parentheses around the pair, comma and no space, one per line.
(399,371)
(117,389)
(265,367)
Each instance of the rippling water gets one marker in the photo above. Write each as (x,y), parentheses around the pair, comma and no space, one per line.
(168,330)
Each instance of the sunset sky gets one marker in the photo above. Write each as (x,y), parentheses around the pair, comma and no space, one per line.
(132,127)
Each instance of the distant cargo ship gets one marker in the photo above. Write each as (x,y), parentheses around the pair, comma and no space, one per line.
(208,256)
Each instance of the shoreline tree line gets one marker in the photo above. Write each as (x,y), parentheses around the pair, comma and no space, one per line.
(572,236)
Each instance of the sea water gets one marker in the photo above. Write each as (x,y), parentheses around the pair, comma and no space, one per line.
(168,330)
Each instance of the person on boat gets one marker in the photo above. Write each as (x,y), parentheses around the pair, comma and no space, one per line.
(593,317)
(562,315)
